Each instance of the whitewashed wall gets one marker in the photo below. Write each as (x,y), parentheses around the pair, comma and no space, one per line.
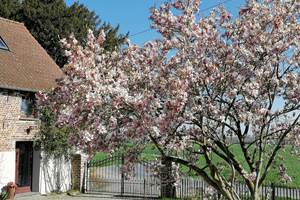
(7,167)
(48,175)
(55,174)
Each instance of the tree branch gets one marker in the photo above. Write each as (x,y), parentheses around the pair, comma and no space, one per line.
(277,147)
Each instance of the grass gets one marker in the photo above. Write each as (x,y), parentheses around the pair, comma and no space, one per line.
(100,156)
(291,161)
(150,153)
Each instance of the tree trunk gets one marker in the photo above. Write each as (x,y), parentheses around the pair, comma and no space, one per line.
(256,195)
(168,188)
(228,194)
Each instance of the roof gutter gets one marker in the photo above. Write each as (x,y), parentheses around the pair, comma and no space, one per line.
(19,89)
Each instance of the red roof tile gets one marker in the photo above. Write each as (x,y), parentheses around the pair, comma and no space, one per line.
(26,66)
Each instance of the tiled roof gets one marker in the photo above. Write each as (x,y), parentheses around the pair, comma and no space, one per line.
(26,65)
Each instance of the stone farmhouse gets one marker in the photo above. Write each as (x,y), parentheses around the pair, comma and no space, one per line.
(25,68)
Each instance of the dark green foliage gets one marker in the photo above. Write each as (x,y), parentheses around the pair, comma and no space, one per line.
(112,41)
(52,140)
(80,19)
(46,21)
(51,20)
(10,9)
(3,195)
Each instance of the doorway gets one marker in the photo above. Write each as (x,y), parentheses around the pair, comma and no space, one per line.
(24,161)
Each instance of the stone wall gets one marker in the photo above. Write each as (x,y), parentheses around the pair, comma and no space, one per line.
(14,127)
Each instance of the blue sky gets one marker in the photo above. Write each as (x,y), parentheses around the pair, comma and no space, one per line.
(132,15)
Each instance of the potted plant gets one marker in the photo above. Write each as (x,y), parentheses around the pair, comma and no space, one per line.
(11,190)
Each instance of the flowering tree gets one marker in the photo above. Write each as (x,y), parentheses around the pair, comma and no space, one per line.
(205,83)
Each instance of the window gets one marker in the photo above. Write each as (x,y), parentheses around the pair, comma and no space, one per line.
(27,107)
(3,44)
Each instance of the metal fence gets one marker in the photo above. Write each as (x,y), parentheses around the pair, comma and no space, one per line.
(107,176)
(191,187)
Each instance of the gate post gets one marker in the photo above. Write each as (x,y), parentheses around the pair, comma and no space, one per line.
(122,175)
(144,187)
(75,171)
(273,191)
(78,171)
(87,177)
(84,190)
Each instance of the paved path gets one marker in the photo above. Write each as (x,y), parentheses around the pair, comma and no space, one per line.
(35,196)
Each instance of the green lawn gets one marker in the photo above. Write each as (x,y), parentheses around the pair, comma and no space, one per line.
(291,161)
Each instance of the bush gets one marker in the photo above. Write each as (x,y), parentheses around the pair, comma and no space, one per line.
(3,194)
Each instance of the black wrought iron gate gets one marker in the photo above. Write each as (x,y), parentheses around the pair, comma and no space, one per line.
(107,176)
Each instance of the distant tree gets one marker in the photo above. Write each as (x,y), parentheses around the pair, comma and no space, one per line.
(111,40)
(46,21)
(10,9)
(51,20)
(80,19)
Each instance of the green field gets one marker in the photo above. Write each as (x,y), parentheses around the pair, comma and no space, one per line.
(291,161)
